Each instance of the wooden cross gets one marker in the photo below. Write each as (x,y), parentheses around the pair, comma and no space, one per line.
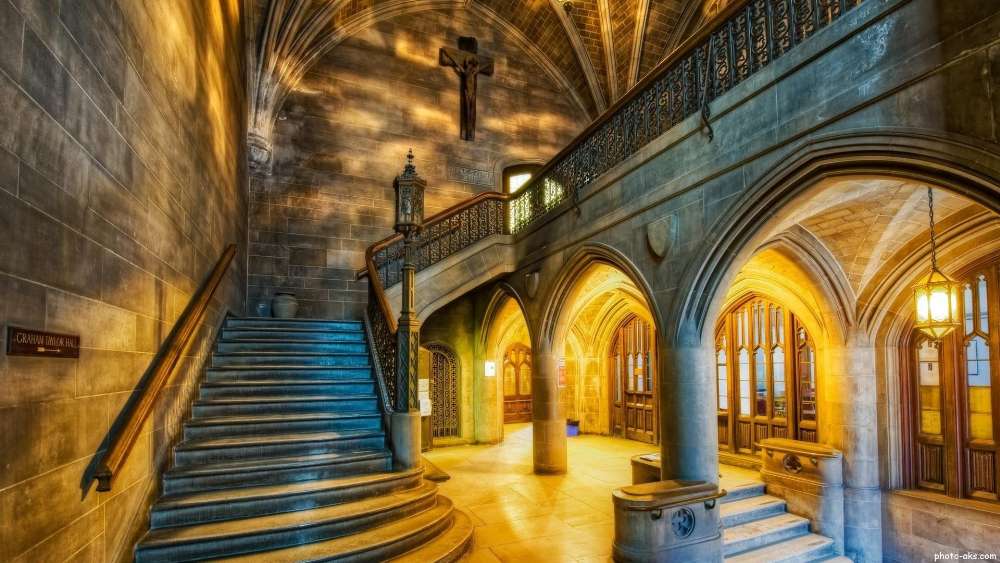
(468,65)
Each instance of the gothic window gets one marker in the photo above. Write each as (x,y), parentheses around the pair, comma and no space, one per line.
(954,429)
(774,386)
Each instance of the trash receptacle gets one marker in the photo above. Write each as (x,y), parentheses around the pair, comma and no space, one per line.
(572,427)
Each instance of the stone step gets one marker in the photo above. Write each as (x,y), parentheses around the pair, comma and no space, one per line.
(802,549)
(450,546)
(742,491)
(221,426)
(281,404)
(250,535)
(321,373)
(288,324)
(218,450)
(274,471)
(290,387)
(750,509)
(763,532)
(293,334)
(248,502)
(290,347)
(278,359)
(377,544)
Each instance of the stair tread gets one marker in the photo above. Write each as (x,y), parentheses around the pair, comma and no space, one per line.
(290,417)
(757,528)
(268,353)
(448,546)
(750,504)
(787,550)
(280,399)
(266,491)
(286,520)
(282,382)
(372,538)
(287,368)
(274,463)
(277,340)
(259,439)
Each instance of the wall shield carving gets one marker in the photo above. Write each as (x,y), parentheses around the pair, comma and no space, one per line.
(531,284)
(660,235)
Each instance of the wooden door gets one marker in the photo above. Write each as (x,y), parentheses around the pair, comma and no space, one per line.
(517,384)
(633,382)
(765,377)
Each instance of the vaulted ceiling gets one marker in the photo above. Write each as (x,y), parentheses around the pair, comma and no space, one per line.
(595,49)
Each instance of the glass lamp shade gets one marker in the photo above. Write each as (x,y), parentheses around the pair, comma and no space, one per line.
(409,188)
(936,301)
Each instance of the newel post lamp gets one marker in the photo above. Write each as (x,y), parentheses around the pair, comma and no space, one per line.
(409,188)
(936,296)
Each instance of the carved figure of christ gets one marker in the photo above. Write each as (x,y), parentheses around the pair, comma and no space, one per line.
(468,65)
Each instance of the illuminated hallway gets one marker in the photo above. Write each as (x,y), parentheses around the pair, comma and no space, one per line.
(524,517)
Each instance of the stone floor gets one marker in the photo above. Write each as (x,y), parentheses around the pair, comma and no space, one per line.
(523,517)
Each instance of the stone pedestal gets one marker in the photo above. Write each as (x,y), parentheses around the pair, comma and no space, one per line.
(666,521)
(810,479)
(405,436)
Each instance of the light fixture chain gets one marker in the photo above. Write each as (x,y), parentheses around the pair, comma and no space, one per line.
(930,214)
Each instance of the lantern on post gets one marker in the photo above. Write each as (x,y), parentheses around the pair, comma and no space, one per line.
(409,189)
(936,296)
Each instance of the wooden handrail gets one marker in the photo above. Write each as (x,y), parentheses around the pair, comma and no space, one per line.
(138,409)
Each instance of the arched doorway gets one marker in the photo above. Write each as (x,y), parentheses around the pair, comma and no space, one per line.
(444,392)
(633,381)
(517,384)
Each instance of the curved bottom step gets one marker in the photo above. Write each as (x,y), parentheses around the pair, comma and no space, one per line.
(374,544)
(450,546)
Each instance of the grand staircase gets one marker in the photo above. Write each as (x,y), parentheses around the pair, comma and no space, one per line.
(758,529)
(285,459)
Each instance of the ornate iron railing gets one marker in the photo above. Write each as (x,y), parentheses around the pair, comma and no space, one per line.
(744,38)
(748,36)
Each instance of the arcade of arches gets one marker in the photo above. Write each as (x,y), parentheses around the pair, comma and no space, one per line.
(812,340)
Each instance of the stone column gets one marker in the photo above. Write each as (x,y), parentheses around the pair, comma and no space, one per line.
(849,422)
(547,420)
(688,430)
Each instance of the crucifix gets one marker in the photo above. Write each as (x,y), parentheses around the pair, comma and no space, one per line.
(468,65)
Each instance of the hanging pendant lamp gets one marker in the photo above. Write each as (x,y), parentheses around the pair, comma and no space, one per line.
(936,296)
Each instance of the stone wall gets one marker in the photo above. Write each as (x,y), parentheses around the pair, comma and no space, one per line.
(919,525)
(343,134)
(121,128)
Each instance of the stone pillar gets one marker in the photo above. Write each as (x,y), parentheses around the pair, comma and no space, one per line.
(849,422)
(688,429)
(547,420)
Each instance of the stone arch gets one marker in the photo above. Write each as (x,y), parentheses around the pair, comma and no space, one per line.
(948,163)
(565,281)
(488,390)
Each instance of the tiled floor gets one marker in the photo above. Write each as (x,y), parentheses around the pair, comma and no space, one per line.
(522,517)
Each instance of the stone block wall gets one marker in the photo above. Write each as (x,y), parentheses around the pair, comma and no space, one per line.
(121,129)
(343,134)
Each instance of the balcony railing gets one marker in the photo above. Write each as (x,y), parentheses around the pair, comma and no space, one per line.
(745,37)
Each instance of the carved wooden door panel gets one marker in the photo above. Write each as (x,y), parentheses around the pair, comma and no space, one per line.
(633,398)
(517,384)
(444,392)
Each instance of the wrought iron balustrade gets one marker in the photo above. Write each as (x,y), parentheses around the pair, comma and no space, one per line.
(748,36)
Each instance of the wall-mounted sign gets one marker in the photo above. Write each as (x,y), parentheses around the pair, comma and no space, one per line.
(491,369)
(27,342)
(562,372)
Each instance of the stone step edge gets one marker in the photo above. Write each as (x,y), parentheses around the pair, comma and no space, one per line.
(448,547)
(296,520)
(275,463)
(253,440)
